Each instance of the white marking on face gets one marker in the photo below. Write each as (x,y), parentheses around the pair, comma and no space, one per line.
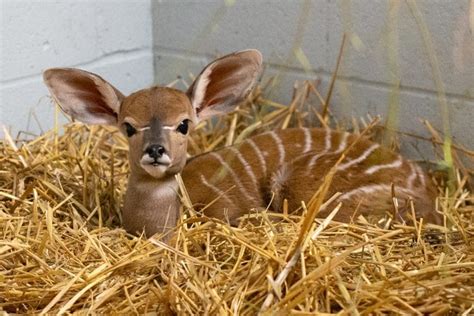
(395,164)
(173,127)
(156,168)
(134,123)
(359,159)
(163,160)
(155,171)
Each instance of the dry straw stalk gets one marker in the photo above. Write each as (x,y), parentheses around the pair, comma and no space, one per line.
(62,249)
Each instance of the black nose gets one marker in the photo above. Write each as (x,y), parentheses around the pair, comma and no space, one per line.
(155,151)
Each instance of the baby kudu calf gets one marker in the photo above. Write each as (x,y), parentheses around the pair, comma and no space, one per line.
(288,164)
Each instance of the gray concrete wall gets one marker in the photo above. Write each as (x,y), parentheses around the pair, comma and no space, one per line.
(385,48)
(389,44)
(110,37)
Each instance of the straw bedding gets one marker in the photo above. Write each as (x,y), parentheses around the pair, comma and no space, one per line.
(62,249)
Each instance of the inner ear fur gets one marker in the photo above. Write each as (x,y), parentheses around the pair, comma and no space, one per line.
(225,82)
(83,95)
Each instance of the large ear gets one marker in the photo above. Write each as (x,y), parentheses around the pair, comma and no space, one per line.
(225,82)
(84,95)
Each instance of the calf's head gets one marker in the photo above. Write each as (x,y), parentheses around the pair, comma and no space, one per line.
(157,120)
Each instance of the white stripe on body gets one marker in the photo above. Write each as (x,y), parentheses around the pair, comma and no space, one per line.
(327,138)
(216,190)
(395,164)
(343,143)
(359,159)
(280,147)
(420,174)
(412,177)
(259,155)
(372,188)
(327,147)
(234,176)
(308,140)
(247,167)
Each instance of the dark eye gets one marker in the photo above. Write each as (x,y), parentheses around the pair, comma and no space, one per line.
(183,127)
(129,129)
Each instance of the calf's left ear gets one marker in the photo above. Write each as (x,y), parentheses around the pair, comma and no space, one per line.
(225,82)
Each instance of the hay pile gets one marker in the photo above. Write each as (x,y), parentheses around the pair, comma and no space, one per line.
(62,248)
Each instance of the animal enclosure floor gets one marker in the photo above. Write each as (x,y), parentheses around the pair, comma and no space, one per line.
(62,248)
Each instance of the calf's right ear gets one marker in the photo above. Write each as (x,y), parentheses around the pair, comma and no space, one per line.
(83,95)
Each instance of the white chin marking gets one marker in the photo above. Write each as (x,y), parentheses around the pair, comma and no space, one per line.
(147,160)
(155,171)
